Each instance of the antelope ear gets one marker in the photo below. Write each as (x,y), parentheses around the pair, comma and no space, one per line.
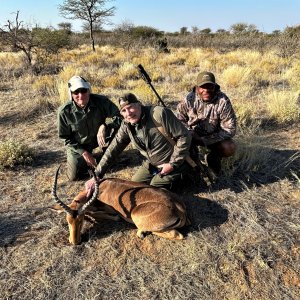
(57,208)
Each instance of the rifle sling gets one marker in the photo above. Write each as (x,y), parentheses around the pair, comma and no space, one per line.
(168,137)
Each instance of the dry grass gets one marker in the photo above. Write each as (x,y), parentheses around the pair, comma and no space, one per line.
(244,239)
(283,106)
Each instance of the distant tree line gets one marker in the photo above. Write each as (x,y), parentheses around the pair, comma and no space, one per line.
(39,43)
(240,35)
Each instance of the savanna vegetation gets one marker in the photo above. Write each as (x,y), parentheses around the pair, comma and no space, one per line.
(244,240)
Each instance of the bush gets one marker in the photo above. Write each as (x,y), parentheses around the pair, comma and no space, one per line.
(145,32)
(12,154)
(50,40)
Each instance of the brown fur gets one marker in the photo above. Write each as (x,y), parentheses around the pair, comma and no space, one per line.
(151,209)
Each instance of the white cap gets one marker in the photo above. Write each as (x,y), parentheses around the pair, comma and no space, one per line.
(78,82)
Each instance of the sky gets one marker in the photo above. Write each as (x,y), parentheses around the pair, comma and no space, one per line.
(167,15)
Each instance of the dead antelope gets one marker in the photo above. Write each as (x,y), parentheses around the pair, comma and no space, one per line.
(151,209)
(80,207)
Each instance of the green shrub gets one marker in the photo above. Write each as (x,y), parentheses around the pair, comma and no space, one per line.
(145,32)
(50,40)
(12,154)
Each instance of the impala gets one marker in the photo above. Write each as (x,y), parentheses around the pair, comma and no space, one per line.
(149,208)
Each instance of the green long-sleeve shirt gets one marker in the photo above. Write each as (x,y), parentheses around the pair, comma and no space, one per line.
(79,127)
(150,142)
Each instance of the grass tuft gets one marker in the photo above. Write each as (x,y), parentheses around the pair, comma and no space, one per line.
(283,106)
(13,153)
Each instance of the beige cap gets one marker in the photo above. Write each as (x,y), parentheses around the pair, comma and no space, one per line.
(78,82)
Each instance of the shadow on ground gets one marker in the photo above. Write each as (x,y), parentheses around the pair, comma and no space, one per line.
(105,228)
(46,157)
(204,213)
(11,118)
(17,225)
(279,165)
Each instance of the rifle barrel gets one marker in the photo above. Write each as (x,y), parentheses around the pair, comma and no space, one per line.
(147,79)
(157,95)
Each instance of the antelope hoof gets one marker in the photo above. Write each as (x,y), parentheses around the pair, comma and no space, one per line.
(141,234)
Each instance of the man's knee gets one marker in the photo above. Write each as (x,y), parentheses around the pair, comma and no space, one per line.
(72,171)
(143,174)
(72,176)
(161,184)
(76,168)
(168,182)
(225,148)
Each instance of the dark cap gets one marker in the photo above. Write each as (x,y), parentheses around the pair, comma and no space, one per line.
(205,77)
(127,99)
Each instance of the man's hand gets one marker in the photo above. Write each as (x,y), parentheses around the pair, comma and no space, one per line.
(90,184)
(166,169)
(89,187)
(101,135)
(89,158)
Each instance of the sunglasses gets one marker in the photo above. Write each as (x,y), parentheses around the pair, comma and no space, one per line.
(208,86)
(80,91)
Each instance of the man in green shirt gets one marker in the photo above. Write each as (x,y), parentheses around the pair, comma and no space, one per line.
(165,162)
(82,125)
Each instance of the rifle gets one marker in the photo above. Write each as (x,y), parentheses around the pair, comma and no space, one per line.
(147,79)
(208,176)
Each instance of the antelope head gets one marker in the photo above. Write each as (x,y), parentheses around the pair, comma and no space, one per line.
(75,212)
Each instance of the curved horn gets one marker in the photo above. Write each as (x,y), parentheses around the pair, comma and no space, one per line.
(53,193)
(94,197)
